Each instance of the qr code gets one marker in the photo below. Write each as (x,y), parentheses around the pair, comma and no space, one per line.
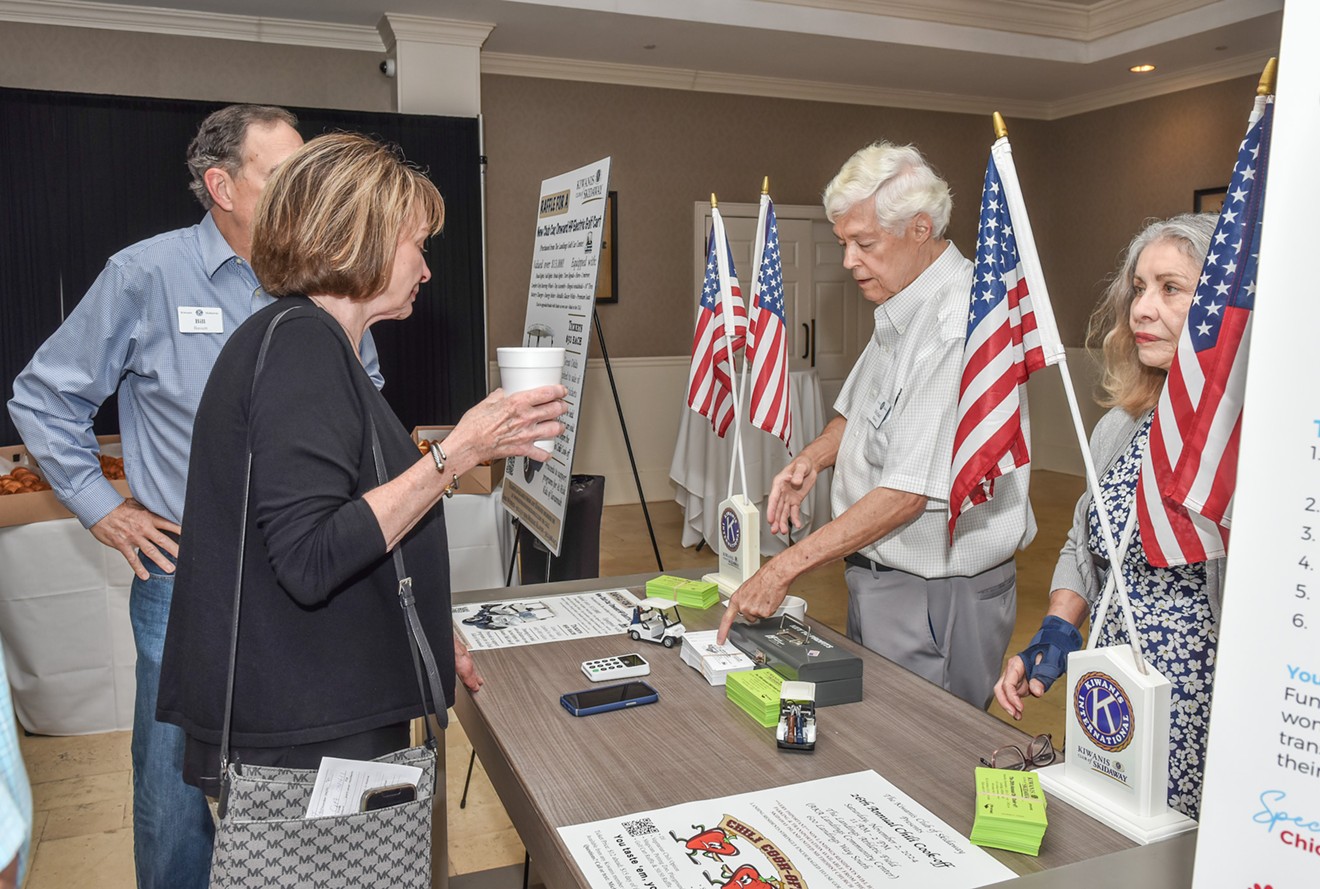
(641,827)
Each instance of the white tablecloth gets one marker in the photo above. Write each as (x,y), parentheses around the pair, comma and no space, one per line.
(64,613)
(700,467)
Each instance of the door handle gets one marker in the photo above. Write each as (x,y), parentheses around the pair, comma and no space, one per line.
(806,340)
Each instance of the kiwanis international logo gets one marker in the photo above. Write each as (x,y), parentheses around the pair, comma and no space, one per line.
(1103,711)
(730,530)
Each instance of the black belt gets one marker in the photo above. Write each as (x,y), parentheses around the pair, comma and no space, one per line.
(860,561)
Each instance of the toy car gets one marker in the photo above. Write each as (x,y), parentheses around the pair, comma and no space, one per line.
(797,716)
(656,620)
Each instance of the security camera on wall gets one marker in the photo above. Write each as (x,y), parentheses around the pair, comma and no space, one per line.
(388,67)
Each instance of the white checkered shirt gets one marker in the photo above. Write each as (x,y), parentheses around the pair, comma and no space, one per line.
(901,401)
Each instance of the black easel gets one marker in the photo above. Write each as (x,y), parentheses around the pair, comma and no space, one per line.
(618,407)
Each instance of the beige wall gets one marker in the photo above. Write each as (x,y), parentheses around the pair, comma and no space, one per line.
(1109,170)
(672,148)
(1088,180)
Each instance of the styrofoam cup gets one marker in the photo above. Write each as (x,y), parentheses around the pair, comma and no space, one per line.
(794,606)
(527,367)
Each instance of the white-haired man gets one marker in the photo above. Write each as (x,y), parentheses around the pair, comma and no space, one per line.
(944,612)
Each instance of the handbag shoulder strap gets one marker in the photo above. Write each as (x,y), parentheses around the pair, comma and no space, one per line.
(238,574)
(416,635)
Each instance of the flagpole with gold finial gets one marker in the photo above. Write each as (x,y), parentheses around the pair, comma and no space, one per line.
(1092,479)
(1268,78)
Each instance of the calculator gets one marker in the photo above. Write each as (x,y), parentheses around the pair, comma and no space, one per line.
(624,666)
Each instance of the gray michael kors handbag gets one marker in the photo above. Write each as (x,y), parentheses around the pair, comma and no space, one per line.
(263,839)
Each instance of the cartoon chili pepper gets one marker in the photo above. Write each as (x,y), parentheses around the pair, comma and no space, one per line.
(711,843)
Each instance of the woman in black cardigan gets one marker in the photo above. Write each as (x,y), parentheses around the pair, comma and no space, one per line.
(323,663)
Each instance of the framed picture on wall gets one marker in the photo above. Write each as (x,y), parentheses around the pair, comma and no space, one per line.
(1206,200)
(607,278)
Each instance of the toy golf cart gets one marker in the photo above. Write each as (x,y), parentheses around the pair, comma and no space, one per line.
(656,620)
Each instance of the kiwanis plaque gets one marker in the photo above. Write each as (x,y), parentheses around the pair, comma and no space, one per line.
(739,545)
(1116,762)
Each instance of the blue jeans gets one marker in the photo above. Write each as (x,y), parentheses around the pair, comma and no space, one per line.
(172,828)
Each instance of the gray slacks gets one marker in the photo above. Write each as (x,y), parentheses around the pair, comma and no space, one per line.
(952,631)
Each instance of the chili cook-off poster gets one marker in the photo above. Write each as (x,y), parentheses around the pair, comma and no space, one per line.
(847,832)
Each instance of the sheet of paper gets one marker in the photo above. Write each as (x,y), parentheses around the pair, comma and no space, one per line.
(340,783)
(511,622)
(847,832)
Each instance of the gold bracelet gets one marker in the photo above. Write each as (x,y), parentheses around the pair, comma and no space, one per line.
(438,455)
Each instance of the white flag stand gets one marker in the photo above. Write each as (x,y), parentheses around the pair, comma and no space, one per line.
(739,546)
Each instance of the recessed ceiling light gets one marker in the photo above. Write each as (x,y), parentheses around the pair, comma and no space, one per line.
(1142,69)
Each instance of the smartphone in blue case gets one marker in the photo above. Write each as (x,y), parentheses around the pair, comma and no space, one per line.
(610,697)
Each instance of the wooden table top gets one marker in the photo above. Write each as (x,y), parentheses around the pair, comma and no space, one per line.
(553,769)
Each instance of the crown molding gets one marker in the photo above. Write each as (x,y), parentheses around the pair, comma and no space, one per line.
(746,85)
(1204,75)
(155,20)
(394,27)
(1043,18)
(815,91)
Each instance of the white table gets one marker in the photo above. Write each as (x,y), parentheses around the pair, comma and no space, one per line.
(64,613)
(700,467)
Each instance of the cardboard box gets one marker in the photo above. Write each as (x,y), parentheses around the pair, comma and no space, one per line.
(43,506)
(481,479)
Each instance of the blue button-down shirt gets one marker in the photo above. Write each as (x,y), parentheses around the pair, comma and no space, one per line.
(126,335)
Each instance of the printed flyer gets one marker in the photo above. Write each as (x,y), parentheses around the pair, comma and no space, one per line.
(847,832)
(512,622)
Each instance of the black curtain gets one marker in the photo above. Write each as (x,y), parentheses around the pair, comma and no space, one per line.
(83,176)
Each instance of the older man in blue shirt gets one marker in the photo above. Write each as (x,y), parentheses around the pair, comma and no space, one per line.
(150,328)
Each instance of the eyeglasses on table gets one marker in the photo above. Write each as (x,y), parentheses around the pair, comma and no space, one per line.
(1039,752)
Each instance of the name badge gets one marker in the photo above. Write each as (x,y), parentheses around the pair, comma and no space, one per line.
(201,319)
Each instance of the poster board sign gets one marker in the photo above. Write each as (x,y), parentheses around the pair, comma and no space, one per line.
(1260,809)
(570,217)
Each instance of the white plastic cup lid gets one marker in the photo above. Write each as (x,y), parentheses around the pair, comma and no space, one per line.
(530,356)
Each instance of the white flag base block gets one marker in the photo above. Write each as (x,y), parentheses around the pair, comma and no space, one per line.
(739,545)
(1116,759)
(1144,830)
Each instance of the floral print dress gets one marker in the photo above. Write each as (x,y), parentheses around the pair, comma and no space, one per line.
(1171,609)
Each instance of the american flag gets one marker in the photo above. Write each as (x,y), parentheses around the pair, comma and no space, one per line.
(721,332)
(1010,335)
(767,347)
(1189,472)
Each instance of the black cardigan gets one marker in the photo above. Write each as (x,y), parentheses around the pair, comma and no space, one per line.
(323,650)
